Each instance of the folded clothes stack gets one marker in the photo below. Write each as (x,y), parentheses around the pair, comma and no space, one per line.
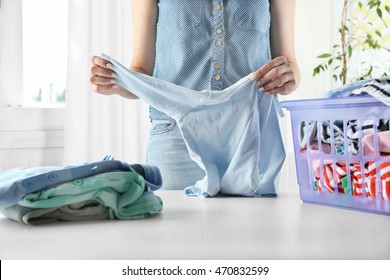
(108,189)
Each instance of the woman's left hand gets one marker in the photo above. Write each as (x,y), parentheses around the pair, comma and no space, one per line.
(276,77)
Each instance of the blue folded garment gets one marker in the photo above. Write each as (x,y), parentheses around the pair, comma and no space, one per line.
(378,88)
(346,90)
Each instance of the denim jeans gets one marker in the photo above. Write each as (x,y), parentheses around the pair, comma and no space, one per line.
(167,150)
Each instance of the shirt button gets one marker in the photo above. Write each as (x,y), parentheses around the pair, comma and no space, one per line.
(218,66)
(218,31)
(217,77)
(218,7)
(78,182)
(52,176)
(218,43)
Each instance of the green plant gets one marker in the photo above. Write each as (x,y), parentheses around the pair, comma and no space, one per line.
(37,97)
(50,94)
(360,39)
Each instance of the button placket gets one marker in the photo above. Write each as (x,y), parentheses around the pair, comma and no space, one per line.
(218,48)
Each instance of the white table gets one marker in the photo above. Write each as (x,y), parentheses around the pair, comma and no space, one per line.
(213,228)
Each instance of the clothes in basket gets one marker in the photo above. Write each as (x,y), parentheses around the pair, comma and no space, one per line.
(308,132)
(360,140)
(354,177)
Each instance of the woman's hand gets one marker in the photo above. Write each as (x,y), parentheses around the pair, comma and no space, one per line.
(103,77)
(276,77)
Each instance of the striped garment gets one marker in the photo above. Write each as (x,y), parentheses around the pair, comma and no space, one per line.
(371,180)
(335,176)
(378,88)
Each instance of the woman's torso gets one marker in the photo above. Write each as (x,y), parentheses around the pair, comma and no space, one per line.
(187,55)
(211,44)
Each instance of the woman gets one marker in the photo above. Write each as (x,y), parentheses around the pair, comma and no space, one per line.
(204,44)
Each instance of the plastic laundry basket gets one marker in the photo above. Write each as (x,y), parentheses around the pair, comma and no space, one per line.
(340,154)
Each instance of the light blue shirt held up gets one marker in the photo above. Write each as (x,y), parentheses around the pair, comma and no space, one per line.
(233,134)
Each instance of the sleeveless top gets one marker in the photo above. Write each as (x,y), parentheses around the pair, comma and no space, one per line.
(210,44)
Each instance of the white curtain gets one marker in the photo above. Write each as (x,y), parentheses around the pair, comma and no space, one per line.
(98,125)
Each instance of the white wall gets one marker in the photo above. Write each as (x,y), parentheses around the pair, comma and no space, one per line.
(313,37)
(315,32)
(30,137)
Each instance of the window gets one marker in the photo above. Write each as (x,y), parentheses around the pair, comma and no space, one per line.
(30,131)
(33,52)
(44,51)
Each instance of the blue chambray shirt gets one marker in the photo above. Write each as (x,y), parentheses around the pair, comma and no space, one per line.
(211,44)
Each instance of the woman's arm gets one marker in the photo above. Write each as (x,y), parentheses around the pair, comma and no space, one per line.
(281,75)
(144,30)
(144,14)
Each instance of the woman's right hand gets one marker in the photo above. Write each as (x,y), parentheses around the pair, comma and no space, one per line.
(103,77)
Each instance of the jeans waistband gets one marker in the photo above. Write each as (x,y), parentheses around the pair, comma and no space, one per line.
(155,114)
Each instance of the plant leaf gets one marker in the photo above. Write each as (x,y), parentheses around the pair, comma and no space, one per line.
(379,12)
(324,55)
(349,50)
